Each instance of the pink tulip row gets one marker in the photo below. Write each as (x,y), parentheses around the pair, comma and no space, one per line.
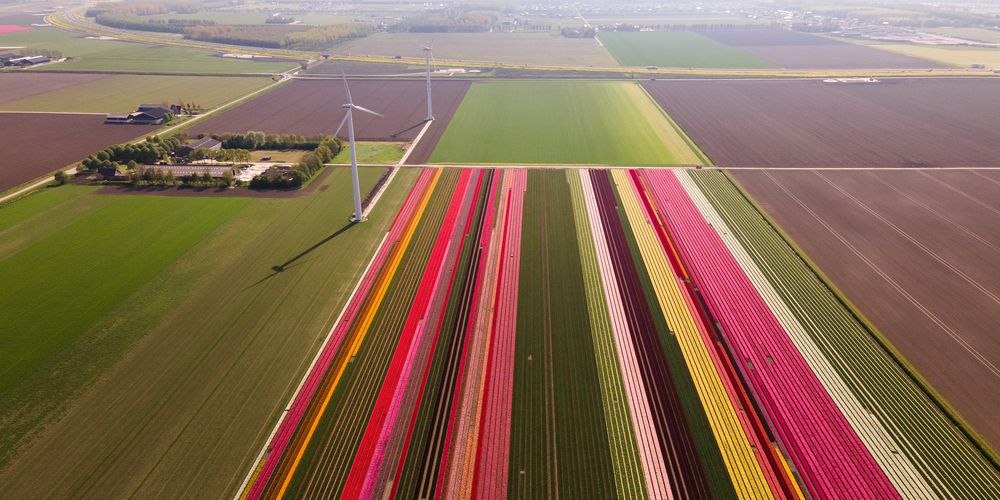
(493,448)
(829,456)
(300,401)
(370,453)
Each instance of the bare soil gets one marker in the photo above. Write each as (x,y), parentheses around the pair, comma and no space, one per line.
(917,253)
(807,123)
(794,50)
(34,144)
(309,107)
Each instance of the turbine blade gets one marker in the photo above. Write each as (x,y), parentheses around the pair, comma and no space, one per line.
(342,123)
(366,110)
(347,87)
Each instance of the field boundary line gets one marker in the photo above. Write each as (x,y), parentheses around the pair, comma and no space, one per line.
(911,371)
(256,463)
(677,128)
(395,170)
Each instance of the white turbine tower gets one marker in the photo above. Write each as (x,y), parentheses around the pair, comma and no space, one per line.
(349,120)
(430,106)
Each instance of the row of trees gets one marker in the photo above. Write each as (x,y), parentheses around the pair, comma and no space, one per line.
(277,36)
(132,22)
(308,166)
(127,156)
(259,140)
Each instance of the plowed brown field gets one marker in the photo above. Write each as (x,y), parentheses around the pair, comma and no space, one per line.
(33,144)
(807,123)
(309,107)
(794,50)
(918,253)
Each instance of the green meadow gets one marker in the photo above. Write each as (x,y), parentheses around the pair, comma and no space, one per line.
(676,49)
(546,122)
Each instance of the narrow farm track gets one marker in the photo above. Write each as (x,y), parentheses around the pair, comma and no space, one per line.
(832,459)
(682,460)
(921,431)
(745,457)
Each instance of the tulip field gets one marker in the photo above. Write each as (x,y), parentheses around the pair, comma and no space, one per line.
(593,333)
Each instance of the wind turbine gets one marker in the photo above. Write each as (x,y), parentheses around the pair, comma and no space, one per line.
(349,120)
(427,58)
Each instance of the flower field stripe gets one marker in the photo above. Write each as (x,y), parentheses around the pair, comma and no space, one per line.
(559,443)
(630,481)
(830,457)
(394,474)
(657,479)
(358,333)
(479,236)
(744,468)
(904,476)
(948,460)
(329,458)
(381,412)
(493,449)
(461,467)
(680,454)
(452,324)
(313,380)
(771,463)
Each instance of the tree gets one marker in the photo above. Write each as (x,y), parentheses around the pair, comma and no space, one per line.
(228,178)
(61,178)
(169,178)
(323,153)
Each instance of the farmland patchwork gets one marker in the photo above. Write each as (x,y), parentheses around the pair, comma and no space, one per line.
(649,348)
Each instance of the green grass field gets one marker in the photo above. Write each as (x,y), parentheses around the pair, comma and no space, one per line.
(115,55)
(576,123)
(977,34)
(163,323)
(380,153)
(676,49)
(255,17)
(122,93)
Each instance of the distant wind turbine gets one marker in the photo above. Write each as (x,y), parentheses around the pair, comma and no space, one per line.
(427,57)
(349,120)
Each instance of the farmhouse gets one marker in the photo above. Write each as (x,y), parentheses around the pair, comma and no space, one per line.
(112,174)
(146,114)
(203,143)
(27,61)
(215,171)
(5,58)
